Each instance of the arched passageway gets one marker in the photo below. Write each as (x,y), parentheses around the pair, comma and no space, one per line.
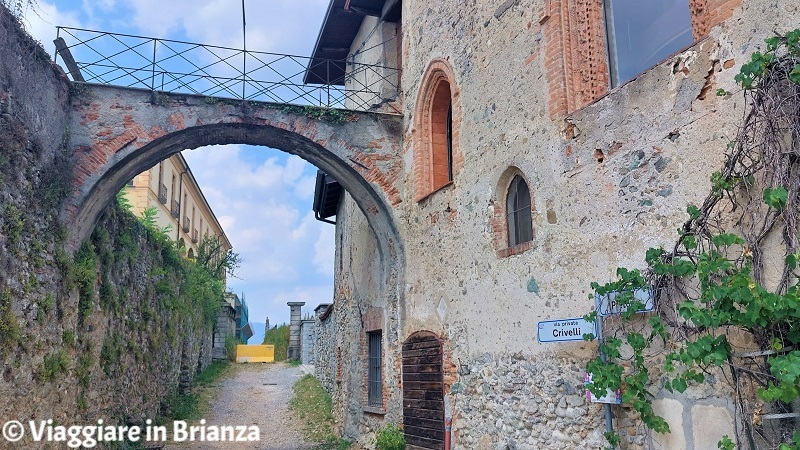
(120,132)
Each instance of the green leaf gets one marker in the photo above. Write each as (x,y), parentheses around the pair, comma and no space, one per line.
(794,75)
(772,43)
(689,242)
(726,239)
(694,211)
(776,197)
(791,261)
(726,443)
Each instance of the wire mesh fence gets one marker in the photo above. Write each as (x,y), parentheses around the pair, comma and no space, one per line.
(184,67)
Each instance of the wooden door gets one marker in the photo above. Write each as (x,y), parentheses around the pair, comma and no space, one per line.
(423,392)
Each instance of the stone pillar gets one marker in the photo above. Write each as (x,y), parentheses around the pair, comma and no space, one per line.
(294,329)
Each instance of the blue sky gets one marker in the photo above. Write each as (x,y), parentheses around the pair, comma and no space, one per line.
(261,196)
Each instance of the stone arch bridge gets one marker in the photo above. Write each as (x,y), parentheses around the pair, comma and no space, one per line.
(118,132)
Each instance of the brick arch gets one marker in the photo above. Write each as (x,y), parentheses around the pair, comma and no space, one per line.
(438,86)
(117,133)
(499,216)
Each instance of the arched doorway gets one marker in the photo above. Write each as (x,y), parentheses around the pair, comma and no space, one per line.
(423,391)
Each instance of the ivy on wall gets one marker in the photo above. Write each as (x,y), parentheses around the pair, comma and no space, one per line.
(712,287)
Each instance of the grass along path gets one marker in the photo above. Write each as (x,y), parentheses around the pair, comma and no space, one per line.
(312,406)
(195,405)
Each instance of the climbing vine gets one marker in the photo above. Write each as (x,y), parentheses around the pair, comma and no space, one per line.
(332,115)
(711,289)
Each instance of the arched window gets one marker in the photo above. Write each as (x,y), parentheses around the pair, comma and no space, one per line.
(442,135)
(518,212)
(191,253)
(436,118)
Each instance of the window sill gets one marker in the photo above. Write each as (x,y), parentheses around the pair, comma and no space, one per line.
(515,250)
(669,60)
(440,188)
(374,410)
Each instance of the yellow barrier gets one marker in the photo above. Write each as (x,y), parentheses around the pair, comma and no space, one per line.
(255,353)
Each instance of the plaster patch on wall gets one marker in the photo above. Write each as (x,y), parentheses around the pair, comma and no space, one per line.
(533,286)
(441,309)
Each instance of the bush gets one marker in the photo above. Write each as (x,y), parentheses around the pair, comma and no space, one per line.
(10,331)
(53,365)
(230,346)
(390,437)
(279,337)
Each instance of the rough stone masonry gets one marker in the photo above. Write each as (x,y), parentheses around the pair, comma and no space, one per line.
(611,171)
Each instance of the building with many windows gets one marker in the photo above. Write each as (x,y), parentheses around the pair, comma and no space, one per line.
(172,190)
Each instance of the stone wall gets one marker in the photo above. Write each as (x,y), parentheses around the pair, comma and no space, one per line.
(326,361)
(358,307)
(608,181)
(107,333)
(308,339)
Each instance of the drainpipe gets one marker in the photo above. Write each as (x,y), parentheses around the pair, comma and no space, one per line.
(448,421)
(607,407)
(180,206)
(447,426)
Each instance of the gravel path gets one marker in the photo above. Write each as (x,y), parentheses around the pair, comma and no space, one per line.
(256,394)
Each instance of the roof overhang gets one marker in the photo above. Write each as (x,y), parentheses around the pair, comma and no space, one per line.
(327,194)
(339,29)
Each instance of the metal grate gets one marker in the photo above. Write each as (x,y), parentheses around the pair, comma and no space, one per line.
(185,67)
(175,209)
(375,391)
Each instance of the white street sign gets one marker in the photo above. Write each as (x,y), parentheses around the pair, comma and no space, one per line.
(608,306)
(564,330)
(611,397)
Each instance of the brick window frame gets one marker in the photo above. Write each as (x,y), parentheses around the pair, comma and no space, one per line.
(499,218)
(372,321)
(433,168)
(576,53)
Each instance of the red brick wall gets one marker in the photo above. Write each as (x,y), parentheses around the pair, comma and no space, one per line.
(576,54)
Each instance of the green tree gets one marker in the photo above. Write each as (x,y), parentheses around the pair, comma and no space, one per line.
(219,262)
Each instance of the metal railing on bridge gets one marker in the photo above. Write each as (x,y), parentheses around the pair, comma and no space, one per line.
(184,67)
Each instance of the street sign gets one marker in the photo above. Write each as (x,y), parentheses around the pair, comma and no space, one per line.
(611,397)
(608,306)
(564,330)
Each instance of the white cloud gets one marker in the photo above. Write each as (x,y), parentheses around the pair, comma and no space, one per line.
(261,197)
(324,251)
(42,21)
(285,26)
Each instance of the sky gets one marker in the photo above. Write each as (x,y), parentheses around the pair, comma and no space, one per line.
(261,196)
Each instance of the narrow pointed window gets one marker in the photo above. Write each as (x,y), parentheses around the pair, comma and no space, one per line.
(442,135)
(518,210)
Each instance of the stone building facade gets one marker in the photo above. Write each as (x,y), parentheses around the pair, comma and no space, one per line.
(529,96)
